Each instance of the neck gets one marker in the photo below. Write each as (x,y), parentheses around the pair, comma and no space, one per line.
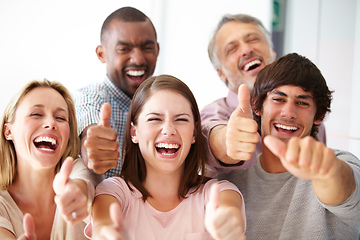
(163,189)
(269,162)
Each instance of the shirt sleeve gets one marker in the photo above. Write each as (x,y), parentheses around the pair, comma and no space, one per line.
(88,102)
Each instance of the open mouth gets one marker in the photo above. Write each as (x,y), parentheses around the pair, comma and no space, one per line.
(135,74)
(252,65)
(167,149)
(285,128)
(46,143)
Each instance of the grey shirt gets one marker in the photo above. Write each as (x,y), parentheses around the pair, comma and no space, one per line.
(282,206)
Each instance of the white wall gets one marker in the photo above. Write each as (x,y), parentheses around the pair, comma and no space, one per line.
(57,40)
(328,33)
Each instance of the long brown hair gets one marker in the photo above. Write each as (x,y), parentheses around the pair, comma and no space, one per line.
(134,169)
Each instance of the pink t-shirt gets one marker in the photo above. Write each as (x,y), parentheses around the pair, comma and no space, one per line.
(186,221)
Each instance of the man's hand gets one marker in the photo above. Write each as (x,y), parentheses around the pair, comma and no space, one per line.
(241,133)
(70,199)
(101,148)
(223,222)
(332,178)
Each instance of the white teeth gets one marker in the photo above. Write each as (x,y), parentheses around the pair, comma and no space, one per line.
(248,65)
(46,139)
(290,128)
(135,73)
(167,145)
(47,149)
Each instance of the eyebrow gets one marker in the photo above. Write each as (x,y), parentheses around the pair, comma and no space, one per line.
(42,106)
(159,114)
(141,44)
(301,96)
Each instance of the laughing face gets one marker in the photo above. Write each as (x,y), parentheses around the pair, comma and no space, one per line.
(40,131)
(130,51)
(243,51)
(165,132)
(288,111)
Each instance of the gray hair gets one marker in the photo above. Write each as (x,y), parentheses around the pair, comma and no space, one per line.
(242,18)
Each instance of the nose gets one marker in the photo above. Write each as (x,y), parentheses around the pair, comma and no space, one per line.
(246,49)
(50,123)
(137,56)
(168,128)
(289,110)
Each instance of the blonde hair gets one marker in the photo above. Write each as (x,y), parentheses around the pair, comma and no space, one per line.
(8,160)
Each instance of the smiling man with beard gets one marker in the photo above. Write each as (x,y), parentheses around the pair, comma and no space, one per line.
(129,48)
(238,50)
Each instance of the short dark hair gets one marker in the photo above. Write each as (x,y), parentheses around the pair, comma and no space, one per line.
(292,69)
(124,14)
(134,169)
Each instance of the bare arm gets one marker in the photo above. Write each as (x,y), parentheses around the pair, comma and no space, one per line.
(237,140)
(332,179)
(107,219)
(225,215)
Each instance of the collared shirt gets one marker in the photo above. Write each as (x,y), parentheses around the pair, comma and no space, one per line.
(218,113)
(88,102)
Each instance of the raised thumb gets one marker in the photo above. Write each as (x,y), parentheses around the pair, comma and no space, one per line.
(29,227)
(62,177)
(276,146)
(244,106)
(105,115)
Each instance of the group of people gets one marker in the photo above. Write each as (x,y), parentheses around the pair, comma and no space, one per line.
(253,165)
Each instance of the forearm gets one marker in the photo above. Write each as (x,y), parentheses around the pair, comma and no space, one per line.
(338,188)
(217,142)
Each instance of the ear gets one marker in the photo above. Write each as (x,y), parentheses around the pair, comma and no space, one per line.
(100,53)
(7,131)
(257,112)
(222,75)
(134,138)
(318,122)
(158,47)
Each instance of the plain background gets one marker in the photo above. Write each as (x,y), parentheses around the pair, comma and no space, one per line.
(57,40)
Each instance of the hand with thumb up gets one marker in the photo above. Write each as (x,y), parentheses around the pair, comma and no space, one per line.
(99,148)
(241,131)
(224,216)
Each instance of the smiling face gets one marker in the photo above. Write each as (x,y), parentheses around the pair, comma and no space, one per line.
(243,51)
(165,131)
(288,111)
(40,131)
(130,51)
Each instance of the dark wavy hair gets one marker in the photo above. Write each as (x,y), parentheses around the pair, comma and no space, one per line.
(292,69)
(134,168)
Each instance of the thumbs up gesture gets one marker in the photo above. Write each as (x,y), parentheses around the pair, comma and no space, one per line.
(241,133)
(29,228)
(223,222)
(101,148)
(116,230)
(305,157)
(69,198)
